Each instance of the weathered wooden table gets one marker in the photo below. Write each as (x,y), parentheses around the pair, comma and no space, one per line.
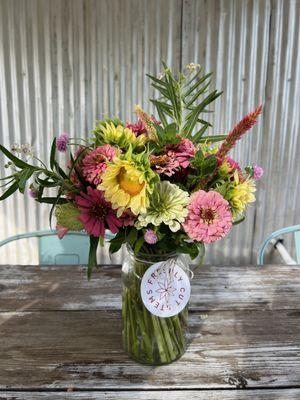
(60,337)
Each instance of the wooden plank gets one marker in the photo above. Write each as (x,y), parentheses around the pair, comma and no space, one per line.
(269,287)
(81,349)
(269,394)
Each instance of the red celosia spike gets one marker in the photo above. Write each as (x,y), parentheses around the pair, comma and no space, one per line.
(238,131)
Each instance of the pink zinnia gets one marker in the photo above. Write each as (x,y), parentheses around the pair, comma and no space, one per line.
(175,157)
(139,127)
(164,164)
(150,236)
(95,163)
(182,152)
(96,213)
(209,217)
(62,142)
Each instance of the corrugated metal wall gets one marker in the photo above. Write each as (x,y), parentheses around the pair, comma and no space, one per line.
(64,63)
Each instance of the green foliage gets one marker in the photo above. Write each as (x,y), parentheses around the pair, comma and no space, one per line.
(128,235)
(167,135)
(92,262)
(12,189)
(212,139)
(16,161)
(239,219)
(167,242)
(204,168)
(183,99)
(41,175)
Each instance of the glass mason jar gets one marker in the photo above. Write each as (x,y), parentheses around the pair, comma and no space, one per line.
(147,338)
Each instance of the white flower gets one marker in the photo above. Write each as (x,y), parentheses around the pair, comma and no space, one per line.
(168,205)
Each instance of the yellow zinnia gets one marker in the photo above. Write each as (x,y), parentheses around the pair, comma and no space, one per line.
(118,136)
(240,194)
(127,182)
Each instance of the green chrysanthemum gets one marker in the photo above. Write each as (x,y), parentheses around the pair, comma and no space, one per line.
(168,205)
(118,136)
(67,216)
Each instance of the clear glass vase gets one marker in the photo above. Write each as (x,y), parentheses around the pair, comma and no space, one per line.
(147,338)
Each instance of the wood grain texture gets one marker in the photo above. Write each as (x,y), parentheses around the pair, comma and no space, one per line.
(58,332)
(272,394)
(31,288)
(83,349)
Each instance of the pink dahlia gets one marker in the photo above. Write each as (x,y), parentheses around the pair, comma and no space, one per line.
(182,152)
(96,213)
(95,163)
(209,217)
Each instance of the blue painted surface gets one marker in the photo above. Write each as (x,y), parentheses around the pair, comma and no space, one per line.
(73,249)
(290,229)
(297,244)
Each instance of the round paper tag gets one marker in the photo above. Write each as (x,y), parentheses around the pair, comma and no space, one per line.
(165,289)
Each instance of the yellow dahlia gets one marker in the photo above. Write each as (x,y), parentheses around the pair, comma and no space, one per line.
(118,136)
(240,194)
(127,183)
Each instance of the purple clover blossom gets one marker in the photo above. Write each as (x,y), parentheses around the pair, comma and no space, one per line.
(150,236)
(257,172)
(62,141)
(32,193)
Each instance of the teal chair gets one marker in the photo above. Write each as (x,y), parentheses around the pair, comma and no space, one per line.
(73,249)
(276,240)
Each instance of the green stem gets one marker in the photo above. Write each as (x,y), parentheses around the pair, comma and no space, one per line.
(178,329)
(173,334)
(133,326)
(167,337)
(92,262)
(148,338)
(159,340)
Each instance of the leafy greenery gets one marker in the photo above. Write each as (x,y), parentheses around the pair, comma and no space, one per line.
(167,242)
(183,99)
(167,135)
(204,168)
(43,177)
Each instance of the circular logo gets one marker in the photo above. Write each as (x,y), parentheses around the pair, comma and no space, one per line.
(165,289)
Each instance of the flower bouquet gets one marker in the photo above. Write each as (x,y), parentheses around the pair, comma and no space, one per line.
(161,186)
